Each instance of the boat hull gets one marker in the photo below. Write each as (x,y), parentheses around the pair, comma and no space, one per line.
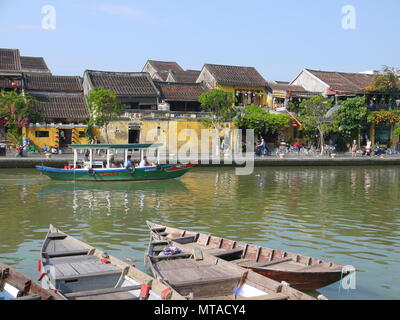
(120,174)
(303,281)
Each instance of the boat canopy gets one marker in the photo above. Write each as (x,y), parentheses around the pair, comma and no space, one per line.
(116,146)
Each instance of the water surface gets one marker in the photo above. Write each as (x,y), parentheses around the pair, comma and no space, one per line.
(350,215)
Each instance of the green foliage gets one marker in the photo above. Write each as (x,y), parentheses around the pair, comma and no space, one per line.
(397,130)
(352,116)
(17,111)
(262,121)
(384,117)
(221,106)
(104,107)
(313,118)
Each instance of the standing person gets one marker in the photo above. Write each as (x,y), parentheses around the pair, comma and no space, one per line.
(354,148)
(45,149)
(20,151)
(263,148)
(296,146)
(368,148)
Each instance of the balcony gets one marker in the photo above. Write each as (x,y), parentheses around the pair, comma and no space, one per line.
(163,115)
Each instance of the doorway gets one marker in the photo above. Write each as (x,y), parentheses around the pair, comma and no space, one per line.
(65,137)
(133,135)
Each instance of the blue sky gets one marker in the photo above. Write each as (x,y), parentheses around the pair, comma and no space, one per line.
(278,38)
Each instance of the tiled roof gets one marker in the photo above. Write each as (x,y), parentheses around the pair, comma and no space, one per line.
(6,83)
(187,76)
(235,75)
(124,83)
(34,64)
(173,91)
(63,106)
(163,75)
(10,60)
(47,83)
(341,81)
(285,87)
(165,65)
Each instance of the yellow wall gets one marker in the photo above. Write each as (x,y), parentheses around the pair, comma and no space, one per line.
(171,129)
(231,89)
(39,142)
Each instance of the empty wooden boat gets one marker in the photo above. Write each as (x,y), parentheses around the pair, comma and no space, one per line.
(14,285)
(198,275)
(301,272)
(78,271)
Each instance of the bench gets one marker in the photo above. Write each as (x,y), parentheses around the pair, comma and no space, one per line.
(264,264)
(184,240)
(65,253)
(228,253)
(101,291)
(31,297)
(175,256)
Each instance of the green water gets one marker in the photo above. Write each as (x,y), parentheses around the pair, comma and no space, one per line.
(348,215)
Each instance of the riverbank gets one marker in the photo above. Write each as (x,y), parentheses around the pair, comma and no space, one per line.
(59,161)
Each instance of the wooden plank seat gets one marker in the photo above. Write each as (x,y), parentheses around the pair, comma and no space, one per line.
(175,256)
(57,236)
(227,253)
(31,297)
(189,283)
(184,240)
(110,296)
(158,229)
(101,291)
(272,296)
(263,264)
(53,254)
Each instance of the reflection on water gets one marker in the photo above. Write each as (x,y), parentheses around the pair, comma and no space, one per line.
(348,215)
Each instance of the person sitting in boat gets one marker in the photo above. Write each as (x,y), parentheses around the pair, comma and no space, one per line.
(112,162)
(86,157)
(144,162)
(128,163)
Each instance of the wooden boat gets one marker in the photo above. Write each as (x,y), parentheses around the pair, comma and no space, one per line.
(14,285)
(78,271)
(194,273)
(81,170)
(301,272)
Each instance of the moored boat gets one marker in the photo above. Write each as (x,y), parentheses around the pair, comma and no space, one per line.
(78,271)
(301,272)
(91,170)
(14,285)
(196,274)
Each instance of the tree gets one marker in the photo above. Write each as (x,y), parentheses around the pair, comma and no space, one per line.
(261,121)
(17,111)
(104,107)
(221,106)
(388,83)
(313,118)
(352,116)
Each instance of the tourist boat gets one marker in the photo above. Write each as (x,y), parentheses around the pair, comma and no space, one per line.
(198,275)
(301,272)
(14,285)
(91,170)
(78,271)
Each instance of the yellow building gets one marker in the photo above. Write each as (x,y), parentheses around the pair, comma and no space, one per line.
(245,83)
(64,110)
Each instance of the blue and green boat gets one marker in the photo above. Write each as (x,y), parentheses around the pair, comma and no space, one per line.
(91,170)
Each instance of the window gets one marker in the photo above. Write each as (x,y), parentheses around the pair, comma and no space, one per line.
(41,134)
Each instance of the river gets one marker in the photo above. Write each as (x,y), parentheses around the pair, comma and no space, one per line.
(349,215)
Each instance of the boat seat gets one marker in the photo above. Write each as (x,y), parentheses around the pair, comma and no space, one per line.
(57,236)
(88,275)
(227,253)
(158,229)
(65,253)
(186,283)
(175,256)
(264,264)
(31,297)
(184,240)
(272,296)
(101,291)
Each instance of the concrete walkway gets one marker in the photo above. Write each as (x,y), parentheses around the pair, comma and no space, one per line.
(10,161)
